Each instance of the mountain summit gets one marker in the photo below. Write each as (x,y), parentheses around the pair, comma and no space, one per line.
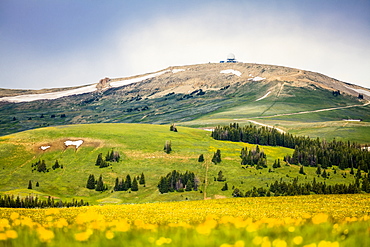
(184,93)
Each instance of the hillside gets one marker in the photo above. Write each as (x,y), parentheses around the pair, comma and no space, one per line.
(202,96)
(141,149)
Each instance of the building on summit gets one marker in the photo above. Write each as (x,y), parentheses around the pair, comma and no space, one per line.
(230,59)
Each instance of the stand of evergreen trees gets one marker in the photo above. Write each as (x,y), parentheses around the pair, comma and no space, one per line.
(111,156)
(8,201)
(40,166)
(307,151)
(94,184)
(180,182)
(280,188)
(253,157)
(124,185)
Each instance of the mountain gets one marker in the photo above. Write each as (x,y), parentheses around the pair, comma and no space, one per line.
(196,95)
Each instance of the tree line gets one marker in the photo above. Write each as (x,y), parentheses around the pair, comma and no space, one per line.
(180,182)
(281,188)
(8,201)
(307,151)
(120,184)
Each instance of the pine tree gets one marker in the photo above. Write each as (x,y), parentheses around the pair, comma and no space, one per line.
(128,182)
(56,165)
(216,157)
(29,185)
(116,185)
(90,182)
(134,186)
(358,174)
(142,179)
(201,158)
(99,160)
(324,174)
(225,187)
(37,184)
(163,185)
(301,171)
(167,147)
(318,170)
(220,177)
(189,185)
(100,184)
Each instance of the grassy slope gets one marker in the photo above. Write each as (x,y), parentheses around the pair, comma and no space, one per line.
(141,146)
(326,124)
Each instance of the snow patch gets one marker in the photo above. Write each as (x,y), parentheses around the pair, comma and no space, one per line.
(352,120)
(54,95)
(138,79)
(74,143)
(231,71)
(177,70)
(257,78)
(44,147)
(82,90)
(360,91)
(264,96)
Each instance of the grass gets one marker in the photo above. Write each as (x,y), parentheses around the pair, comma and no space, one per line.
(317,220)
(141,148)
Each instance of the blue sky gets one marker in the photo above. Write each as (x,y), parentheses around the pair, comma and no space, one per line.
(63,43)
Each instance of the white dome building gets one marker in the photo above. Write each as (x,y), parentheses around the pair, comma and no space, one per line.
(231,58)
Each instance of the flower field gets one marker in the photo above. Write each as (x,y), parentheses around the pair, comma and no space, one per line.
(311,221)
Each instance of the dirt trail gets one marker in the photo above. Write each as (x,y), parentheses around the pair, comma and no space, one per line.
(321,110)
(269,126)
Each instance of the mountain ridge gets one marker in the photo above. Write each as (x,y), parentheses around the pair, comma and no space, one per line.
(247,71)
(204,92)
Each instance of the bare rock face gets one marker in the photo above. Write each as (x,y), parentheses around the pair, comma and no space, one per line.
(103,83)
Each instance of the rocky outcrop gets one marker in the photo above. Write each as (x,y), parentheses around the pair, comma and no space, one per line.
(103,83)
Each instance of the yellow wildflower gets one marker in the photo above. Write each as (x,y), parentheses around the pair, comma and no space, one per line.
(3,236)
(324,243)
(320,218)
(11,234)
(109,235)
(297,240)
(279,243)
(239,243)
(83,236)
(14,215)
(44,234)
(163,240)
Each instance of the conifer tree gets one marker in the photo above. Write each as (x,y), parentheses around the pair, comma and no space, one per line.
(116,185)
(225,187)
(134,186)
(318,170)
(189,185)
(167,147)
(29,185)
(301,171)
(99,160)
(100,184)
(324,174)
(37,184)
(216,157)
(56,165)
(128,182)
(201,158)
(90,182)
(142,179)
(220,177)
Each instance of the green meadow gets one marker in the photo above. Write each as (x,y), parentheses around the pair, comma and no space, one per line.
(141,150)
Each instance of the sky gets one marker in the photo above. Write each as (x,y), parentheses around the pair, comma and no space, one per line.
(62,43)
